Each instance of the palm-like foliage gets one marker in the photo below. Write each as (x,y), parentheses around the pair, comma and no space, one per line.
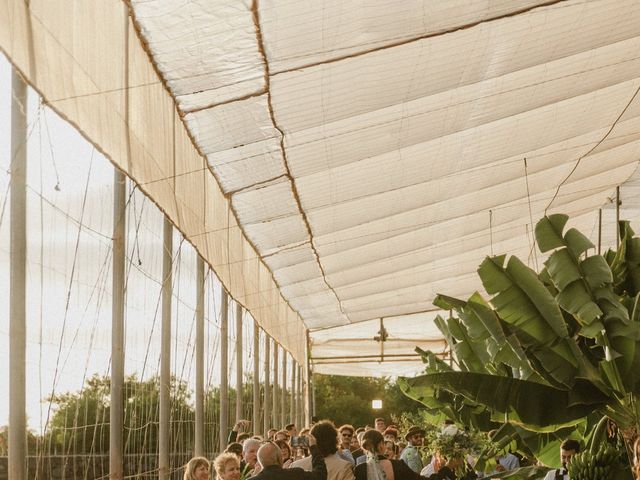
(548,349)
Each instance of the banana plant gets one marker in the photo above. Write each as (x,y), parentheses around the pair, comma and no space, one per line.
(548,349)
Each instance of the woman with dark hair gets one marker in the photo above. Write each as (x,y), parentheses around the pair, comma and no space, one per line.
(285,450)
(377,467)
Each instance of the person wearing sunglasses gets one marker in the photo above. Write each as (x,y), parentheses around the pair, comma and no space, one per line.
(411,455)
(345,434)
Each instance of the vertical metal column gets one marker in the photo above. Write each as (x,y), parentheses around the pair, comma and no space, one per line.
(283,391)
(301,423)
(199,440)
(276,389)
(224,369)
(292,397)
(267,389)
(164,444)
(18,286)
(239,360)
(308,406)
(618,231)
(116,415)
(256,378)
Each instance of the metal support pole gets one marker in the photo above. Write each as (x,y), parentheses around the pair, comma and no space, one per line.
(618,203)
(292,401)
(599,230)
(276,389)
(18,286)
(164,444)
(116,415)
(239,360)
(283,391)
(308,408)
(267,389)
(256,377)
(199,440)
(301,418)
(224,368)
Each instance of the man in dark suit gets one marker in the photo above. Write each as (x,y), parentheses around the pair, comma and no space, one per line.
(270,459)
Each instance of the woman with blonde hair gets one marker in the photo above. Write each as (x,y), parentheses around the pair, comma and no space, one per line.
(227,466)
(197,469)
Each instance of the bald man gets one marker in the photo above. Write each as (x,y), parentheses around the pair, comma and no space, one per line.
(270,459)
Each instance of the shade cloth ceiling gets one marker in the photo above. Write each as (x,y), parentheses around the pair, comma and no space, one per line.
(339,163)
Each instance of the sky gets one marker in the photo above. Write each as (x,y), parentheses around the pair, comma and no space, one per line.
(69,270)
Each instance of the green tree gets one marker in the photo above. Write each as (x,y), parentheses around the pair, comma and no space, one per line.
(80,422)
(348,399)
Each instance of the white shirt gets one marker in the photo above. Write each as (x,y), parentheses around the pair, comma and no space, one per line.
(551,475)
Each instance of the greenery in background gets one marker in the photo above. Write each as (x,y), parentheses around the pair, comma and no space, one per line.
(550,353)
(348,399)
(79,421)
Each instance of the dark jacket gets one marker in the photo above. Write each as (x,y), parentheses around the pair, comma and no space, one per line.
(276,472)
(401,471)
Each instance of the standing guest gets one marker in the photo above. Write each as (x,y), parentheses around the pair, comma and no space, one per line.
(449,428)
(390,434)
(249,456)
(270,433)
(197,469)
(285,451)
(281,435)
(270,461)
(381,425)
(327,440)
(242,437)
(291,430)
(411,455)
(355,447)
(504,462)
(344,448)
(391,452)
(360,455)
(227,467)
(240,425)
(568,449)
(377,467)
(235,448)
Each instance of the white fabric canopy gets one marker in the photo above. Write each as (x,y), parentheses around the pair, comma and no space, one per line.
(368,155)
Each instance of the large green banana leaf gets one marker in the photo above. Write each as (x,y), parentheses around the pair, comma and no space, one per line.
(524,473)
(531,405)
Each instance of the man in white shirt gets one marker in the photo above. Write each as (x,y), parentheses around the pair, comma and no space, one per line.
(567,450)
(327,440)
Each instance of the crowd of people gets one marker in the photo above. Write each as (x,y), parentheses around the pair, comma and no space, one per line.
(325,452)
